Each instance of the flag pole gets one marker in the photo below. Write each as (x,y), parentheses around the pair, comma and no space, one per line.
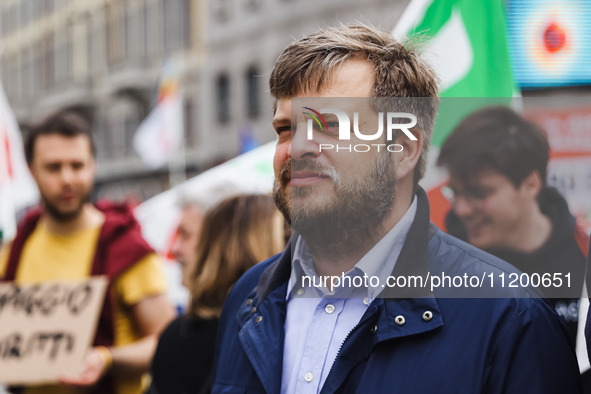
(177,166)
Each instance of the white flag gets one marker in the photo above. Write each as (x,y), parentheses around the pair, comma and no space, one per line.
(159,136)
(17,188)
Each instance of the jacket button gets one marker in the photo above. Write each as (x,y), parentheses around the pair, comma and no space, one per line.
(249,302)
(400,320)
(427,315)
(258,319)
(253,310)
(374,329)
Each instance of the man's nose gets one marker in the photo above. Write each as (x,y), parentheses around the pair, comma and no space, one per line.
(68,174)
(301,146)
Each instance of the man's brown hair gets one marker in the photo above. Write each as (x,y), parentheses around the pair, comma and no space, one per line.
(308,64)
(498,139)
(65,123)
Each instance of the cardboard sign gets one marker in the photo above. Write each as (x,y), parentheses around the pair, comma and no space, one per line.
(47,328)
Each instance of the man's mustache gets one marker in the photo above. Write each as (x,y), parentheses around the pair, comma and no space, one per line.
(307,165)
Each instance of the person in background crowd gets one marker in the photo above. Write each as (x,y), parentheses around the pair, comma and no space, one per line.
(70,238)
(363,214)
(497,163)
(236,234)
(185,243)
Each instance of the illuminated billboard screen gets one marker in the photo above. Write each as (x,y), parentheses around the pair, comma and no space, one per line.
(550,42)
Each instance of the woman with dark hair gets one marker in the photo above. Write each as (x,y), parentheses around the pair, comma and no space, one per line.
(236,234)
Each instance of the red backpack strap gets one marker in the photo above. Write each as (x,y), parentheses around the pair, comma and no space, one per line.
(105,332)
(18,244)
(118,249)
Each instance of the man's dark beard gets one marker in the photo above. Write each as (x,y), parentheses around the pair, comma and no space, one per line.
(360,208)
(56,214)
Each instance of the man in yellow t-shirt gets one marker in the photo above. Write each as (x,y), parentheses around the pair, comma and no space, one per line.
(70,238)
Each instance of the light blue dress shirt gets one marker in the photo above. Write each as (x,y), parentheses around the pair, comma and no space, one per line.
(317,324)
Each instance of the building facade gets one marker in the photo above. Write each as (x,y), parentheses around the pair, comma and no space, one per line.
(102,59)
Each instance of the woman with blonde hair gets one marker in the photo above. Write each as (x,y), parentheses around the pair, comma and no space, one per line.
(236,234)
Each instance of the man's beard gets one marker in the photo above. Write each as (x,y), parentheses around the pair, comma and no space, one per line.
(60,216)
(357,211)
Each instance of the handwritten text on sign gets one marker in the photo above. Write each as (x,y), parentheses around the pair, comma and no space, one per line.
(47,328)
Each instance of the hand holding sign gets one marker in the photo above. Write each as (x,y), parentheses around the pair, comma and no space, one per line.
(93,369)
(46,330)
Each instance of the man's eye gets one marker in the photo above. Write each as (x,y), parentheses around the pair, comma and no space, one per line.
(282,129)
(333,127)
(481,194)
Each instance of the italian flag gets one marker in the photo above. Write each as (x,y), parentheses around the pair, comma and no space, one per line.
(465,42)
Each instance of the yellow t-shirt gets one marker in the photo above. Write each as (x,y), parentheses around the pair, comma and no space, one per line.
(48,256)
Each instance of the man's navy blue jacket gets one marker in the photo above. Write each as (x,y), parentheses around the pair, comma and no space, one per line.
(515,344)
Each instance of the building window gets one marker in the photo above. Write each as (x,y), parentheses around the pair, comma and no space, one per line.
(48,74)
(223,98)
(102,140)
(253,5)
(5,76)
(25,13)
(97,44)
(221,10)
(253,98)
(175,24)
(135,35)
(10,76)
(90,47)
(188,118)
(4,21)
(47,6)
(17,75)
(115,36)
(144,28)
(131,124)
(123,120)
(12,18)
(154,26)
(27,74)
(63,57)
(129,30)
(35,10)
(61,3)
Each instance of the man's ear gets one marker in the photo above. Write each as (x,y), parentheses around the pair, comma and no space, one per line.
(406,160)
(532,184)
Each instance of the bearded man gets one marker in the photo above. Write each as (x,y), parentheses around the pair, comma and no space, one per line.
(70,238)
(326,316)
